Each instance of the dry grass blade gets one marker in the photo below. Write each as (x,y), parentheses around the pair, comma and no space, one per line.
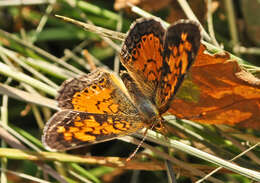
(170,172)
(192,170)
(25,176)
(99,30)
(219,168)
(28,97)
(153,136)
(40,51)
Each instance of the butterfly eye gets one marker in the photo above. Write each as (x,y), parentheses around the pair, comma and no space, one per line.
(139,45)
(144,39)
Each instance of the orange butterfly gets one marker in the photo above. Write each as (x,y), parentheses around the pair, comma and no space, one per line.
(100,106)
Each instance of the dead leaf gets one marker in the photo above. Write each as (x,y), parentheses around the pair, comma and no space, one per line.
(218,91)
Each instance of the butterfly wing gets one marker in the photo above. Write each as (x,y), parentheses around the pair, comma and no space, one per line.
(158,59)
(141,54)
(181,44)
(95,108)
(100,92)
(72,129)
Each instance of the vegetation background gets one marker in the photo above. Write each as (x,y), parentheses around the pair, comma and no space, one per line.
(38,51)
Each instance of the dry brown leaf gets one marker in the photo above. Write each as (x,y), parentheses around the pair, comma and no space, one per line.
(218,91)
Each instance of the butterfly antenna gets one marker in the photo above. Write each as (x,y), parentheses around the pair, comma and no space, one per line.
(141,143)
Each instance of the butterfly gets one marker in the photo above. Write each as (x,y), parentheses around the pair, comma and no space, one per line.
(101,106)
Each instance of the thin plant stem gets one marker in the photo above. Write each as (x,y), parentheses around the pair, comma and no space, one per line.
(19,61)
(219,168)
(24,2)
(20,137)
(69,54)
(175,161)
(41,52)
(245,50)
(83,179)
(98,30)
(232,22)
(153,136)
(210,23)
(4,118)
(116,59)
(78,48)
(82,171)
(42,22)
(85,6)
(19,76)
(24,176)
(28,97)
(37,116)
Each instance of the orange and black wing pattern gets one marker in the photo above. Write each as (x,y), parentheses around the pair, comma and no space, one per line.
(157,59)
(181,44)
(100,92)
(94,108)
(99,106)
(72,129)
(141,54)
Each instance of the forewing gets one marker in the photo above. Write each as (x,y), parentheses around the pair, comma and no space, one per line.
(72,129)
(100,92)
(141,54)
(181,44)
